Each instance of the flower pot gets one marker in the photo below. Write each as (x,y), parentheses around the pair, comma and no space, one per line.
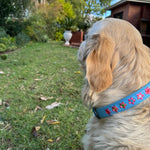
(67,37)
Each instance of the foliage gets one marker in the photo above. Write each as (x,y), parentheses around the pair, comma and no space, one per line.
(49,20)
(3,57)
(3,32)
(2,47)
(15,26)
(12,8)
(54,66)
(84,8)
(22,39)
(7,43)
(36,29)
(58,36)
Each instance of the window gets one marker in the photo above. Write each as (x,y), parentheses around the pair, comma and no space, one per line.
(118,15)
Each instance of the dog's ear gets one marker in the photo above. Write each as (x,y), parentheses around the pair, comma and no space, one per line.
(99,71)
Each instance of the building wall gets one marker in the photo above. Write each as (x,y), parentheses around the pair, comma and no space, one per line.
(146,11)
(134,14)
(137,14)
(124,8)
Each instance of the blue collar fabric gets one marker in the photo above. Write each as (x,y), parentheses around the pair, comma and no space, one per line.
(123,104)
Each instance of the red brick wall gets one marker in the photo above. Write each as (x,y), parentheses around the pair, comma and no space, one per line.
(134,14)
(77,37)
(146,12)
(124,8)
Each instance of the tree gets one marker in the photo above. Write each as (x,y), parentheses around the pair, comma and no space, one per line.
(84,8)
(12,8)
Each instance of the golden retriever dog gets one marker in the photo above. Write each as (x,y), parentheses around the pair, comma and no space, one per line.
(116,64)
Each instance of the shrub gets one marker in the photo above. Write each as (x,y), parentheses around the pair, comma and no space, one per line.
(9,42)
(2,47)
(3,32)
(37,32)
(4,57)
(14,27)
(22,39)
(58,36)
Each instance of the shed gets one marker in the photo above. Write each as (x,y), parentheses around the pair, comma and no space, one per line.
(137,12)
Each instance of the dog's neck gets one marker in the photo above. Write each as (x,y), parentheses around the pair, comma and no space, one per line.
(124,104)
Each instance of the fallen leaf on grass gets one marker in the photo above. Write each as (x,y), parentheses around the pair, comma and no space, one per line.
(42,120)
(58,139)
(71,109)
(37,79)
(1,72)
(45,98)
(52,122)
(35,130)
(50,140)
(77,72)
(53,105)
(37,108)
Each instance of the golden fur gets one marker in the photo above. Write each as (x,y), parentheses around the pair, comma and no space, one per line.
(116,63)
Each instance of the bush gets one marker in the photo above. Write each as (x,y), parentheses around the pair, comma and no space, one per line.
(58,36)
(14,27)
(37,32)
(9,42)
(3,32)
(2,47)
(4,57)
(22,39)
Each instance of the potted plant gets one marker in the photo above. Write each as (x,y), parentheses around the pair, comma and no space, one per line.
(69,26)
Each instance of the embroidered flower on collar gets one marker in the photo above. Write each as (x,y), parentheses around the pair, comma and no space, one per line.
(114,108)
(123,105)
(107,111)
(131,100)
(140,96)
(147,90)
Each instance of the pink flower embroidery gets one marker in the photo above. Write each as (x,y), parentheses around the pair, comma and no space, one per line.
(140,96)
(114,108)
(123,105)
(147,90)
(107,111)
(131,100)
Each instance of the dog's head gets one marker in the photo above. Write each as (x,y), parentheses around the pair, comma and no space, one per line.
(110,43)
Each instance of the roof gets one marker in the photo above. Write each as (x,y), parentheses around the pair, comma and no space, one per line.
(124,1)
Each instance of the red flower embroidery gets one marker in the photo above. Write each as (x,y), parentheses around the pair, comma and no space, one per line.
(131,101)
(123,105)
(147,90)
(140,96)
(107,111)
(114,108)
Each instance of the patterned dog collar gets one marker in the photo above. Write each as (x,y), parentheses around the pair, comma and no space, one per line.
(123,104)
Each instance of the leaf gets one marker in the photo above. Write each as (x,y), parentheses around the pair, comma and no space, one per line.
(45,98)
(42,120)
(37,128)
(1,72)
(53,105)
(52,122)
(58,139)
(37,79)
(34,132)
(77,72)
(50,140)
(37,108)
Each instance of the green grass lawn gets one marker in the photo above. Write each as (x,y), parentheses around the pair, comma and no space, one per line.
(41,70)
